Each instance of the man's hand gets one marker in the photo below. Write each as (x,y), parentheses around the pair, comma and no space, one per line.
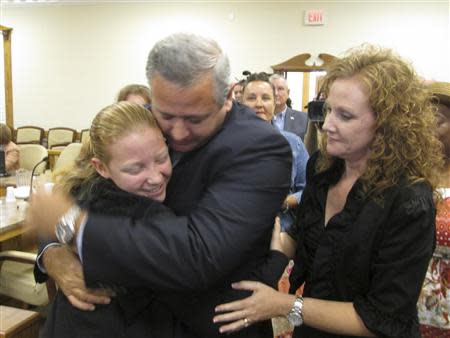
(65,268)
(290,203)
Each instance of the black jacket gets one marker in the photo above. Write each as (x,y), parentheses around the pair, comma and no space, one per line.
(373,253)
(127,315)
(225,196)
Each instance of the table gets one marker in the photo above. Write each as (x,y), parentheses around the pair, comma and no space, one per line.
(12,219)
(10,181)
(18,323)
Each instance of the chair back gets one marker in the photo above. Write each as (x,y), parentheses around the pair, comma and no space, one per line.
(60,136)
(68,156)
(17,279)
(30,155)
(84,135)
(29,134)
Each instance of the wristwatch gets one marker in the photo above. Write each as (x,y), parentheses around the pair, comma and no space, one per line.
(65,228)
(295,316)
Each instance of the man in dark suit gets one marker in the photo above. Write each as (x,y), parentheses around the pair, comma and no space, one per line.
(231,174)
(287,118)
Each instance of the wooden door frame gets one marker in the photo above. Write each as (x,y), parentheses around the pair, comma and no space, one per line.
(298,64)
(6,32)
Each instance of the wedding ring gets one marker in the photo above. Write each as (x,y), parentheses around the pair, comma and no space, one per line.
(246,322)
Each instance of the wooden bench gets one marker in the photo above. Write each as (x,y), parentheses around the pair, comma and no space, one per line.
(18,323)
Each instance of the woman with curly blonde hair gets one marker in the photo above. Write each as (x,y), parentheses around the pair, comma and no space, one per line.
(365,225)
(404,117)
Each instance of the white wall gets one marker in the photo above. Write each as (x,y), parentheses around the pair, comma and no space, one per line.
(69,60)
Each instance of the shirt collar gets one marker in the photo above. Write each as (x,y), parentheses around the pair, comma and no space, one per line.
(283,112)
(281,115)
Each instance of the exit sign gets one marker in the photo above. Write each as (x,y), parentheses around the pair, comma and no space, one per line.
(314,17)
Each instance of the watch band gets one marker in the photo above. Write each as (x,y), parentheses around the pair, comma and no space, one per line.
(65,228)
(295,316)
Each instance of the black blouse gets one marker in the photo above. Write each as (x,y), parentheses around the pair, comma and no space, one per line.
(372,253)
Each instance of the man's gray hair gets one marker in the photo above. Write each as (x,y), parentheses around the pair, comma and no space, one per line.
(183,58)
(278,76)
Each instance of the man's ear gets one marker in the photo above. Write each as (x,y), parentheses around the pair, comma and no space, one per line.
(229,100)
(230,91)
(100,167)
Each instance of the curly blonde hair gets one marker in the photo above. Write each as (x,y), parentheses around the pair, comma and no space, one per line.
(110,124)
(404,144)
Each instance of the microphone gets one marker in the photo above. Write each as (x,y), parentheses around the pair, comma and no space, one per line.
(3,172)
(32,172)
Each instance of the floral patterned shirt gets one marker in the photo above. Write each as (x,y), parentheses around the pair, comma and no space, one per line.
(434,301)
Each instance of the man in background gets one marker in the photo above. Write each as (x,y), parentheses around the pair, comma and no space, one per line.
(286,118)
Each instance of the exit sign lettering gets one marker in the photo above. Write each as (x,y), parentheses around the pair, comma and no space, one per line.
(315,17)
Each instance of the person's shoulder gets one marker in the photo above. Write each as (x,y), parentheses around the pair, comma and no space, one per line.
(244,131)
(311,165)
(407,189)
(411,197)
(244,121)
(314,157)
(297,112)
(11,146)
(293,139)
(290,135)
(299,116)
(240,112)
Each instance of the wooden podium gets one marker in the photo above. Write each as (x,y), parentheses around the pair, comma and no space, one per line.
(18,323)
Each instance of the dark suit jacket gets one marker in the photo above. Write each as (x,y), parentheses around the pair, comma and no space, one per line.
(127,316)
(296,122)
(226,195)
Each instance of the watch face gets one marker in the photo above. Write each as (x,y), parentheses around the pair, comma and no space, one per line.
(295,316)
(294,319)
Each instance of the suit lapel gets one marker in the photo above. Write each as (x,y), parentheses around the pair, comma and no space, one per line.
(288,119)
